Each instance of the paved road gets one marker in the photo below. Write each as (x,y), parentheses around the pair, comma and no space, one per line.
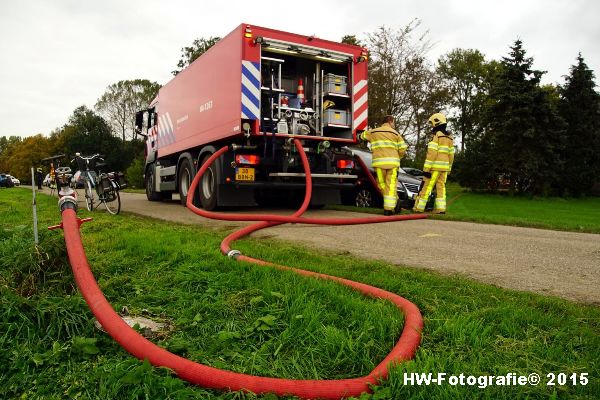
(556,263)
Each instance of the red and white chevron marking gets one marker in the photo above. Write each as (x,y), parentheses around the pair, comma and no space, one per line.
(361,106)
(166,132)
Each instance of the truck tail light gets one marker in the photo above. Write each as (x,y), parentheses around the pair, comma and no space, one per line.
(250,159)
(345,164)
(248,32)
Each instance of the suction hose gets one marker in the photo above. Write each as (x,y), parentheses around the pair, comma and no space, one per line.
(214,378)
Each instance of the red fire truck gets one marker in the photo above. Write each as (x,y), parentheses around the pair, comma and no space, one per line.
(255,90)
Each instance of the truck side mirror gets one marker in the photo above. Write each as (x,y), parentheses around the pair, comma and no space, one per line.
(139,123)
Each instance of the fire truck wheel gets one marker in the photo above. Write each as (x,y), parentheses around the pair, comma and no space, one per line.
(207,186)
(151,194)
(185,176)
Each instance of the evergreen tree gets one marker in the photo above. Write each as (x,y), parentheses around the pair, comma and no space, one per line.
(525,126)
(190,53)
(580,108)
(351,39)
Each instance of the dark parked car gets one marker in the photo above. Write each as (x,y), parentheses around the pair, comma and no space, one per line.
(365,195)
(6,181)
(417,173)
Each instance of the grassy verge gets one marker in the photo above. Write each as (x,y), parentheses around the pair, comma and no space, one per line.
(134,190)
(575,215)
(256,320)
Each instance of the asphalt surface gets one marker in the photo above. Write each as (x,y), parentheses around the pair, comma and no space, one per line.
(563,264)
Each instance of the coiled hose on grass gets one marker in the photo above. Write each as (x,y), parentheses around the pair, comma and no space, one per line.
(214,378)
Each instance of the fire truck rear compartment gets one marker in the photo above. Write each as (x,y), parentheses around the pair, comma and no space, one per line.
(325,110)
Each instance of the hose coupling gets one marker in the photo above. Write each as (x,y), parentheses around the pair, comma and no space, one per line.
(67,202)
(234,254)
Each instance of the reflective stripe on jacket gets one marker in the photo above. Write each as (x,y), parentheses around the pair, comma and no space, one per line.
(387,145)
(440,153)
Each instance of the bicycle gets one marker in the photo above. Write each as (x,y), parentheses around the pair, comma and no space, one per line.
(102,188)
(53,172)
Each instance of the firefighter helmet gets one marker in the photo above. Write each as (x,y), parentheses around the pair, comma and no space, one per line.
(437,119)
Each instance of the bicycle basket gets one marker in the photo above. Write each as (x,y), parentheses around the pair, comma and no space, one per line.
(118,178)
(105,183)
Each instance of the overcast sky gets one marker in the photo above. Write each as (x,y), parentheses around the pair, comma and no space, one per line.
(57,55)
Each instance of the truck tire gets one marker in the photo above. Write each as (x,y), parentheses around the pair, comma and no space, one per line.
(207,187)
(151,194)
(184,179)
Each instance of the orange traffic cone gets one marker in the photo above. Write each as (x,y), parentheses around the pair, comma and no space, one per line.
(300,94)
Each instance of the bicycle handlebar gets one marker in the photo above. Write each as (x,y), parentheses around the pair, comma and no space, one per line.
(100,156)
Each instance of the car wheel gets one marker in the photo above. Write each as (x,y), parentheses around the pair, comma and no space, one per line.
(364,198)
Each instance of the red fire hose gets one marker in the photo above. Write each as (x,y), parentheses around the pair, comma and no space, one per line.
(214,378)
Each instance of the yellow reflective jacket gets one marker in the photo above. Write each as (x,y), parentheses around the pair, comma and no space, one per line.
(440,153)
(387,145)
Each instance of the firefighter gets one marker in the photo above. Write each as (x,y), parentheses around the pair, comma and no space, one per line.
(438,164)
(52,177)
(388,148)
(39,178)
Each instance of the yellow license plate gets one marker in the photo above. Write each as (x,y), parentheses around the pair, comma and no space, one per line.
(244,174)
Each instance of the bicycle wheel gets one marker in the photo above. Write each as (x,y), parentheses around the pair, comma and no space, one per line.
(112,200)
(89,195)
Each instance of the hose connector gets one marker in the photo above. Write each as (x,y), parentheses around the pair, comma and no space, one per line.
(234,254)
(67,202)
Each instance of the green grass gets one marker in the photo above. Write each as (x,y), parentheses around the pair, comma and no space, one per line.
(258,320)
(571,214)
(134,190)
(575,215)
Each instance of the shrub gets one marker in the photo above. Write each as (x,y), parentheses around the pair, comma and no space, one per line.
(135,173)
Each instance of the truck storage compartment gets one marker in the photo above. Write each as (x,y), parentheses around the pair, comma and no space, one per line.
(304,95)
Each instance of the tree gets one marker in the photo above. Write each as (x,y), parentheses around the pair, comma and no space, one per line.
(580,107)
(190,53)
(398,73)
(351,39)
(464,73)
(24,154)
(122,100)
(390,51)
(425,95)
(525,127)
(88,133)
(7,142)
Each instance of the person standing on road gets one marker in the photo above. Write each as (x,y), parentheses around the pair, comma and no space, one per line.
(39,178)
(388,148)
(438,164)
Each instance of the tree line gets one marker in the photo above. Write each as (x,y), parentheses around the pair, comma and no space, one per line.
(108,129)
(510,130)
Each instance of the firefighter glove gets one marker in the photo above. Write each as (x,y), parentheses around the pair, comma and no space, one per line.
(427,174)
